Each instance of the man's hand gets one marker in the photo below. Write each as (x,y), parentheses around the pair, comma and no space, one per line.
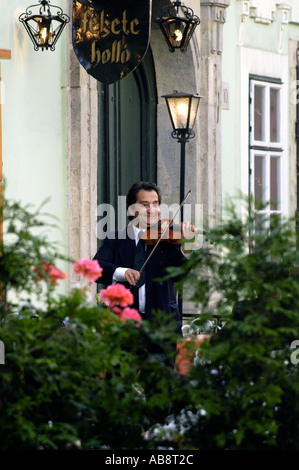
(132,276)
(188,233)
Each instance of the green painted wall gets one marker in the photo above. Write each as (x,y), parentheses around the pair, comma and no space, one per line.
(34,119)
(230,117)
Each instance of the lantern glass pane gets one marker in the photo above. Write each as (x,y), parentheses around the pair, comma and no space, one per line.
(189,32)
(179,110)
(40,28)
(193,110)
(175,31)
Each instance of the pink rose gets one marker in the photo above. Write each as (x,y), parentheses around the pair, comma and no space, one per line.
(130,314)
(88,268)
(49,270)
(116,294)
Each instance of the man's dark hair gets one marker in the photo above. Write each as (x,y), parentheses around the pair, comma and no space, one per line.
(141,185)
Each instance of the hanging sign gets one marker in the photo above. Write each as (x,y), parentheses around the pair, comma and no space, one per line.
(111,37)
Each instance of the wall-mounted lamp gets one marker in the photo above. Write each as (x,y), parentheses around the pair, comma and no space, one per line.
(43,27)
(177,23)
(182,108)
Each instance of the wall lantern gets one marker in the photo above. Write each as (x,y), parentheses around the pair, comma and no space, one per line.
(182,108)
(43,26)
(177,23)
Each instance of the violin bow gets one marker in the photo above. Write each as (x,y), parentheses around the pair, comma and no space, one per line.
(164,231)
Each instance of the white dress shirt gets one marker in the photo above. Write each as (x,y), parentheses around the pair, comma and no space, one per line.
(119,275)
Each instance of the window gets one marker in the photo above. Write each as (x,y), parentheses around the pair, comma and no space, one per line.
(266,152)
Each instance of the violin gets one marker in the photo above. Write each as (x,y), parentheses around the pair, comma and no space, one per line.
(165,230)
(155,240)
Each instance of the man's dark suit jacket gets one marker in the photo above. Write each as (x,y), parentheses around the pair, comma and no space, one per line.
(118,250)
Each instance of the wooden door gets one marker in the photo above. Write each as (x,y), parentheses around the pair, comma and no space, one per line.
(127,132)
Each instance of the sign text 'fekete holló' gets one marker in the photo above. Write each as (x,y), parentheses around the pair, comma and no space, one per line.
(110,38)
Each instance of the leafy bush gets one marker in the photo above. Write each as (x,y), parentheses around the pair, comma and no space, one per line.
(75,378)
(84,376)
(77,375)
(244,394)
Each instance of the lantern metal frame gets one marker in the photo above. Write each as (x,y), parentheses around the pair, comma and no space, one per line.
(43,27)
(171,21)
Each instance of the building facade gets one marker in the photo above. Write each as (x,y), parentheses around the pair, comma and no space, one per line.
(81,143)
(259,109)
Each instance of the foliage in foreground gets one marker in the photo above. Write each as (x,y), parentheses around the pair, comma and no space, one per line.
(77,377)
(245,395)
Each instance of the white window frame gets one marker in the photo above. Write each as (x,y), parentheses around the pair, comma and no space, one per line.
(266,189)
(265,148)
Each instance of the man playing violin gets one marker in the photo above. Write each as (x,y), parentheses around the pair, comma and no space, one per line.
(119,253)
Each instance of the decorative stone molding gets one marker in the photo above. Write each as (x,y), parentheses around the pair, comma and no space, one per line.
(217,37)
(284,11)
(215,13)
(278,12)
(254,13)
(265,16)
(215,3)
(283,17)
(213,16)
(243,19)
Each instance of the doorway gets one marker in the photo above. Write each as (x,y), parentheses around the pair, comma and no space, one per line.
(127,134)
